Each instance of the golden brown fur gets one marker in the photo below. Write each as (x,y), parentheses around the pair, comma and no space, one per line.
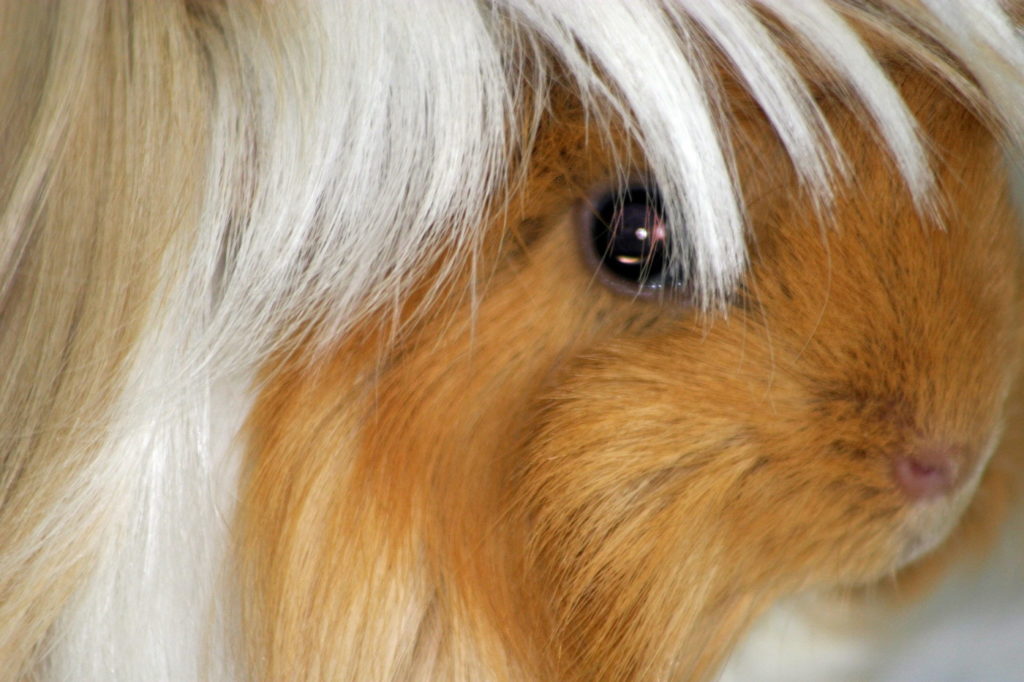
(553,481)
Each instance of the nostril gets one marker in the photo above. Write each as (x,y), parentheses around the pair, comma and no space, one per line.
(927,473)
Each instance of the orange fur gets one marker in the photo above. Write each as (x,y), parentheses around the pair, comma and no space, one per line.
(553,481)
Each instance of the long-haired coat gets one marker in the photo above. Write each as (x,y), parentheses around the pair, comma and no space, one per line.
(494,340)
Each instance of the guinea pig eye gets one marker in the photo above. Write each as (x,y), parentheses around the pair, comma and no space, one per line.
(626,234)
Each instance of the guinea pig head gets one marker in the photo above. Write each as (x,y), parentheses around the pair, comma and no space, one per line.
(619,481)
(828,429)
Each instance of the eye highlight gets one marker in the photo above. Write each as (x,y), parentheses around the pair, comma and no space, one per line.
(625,234)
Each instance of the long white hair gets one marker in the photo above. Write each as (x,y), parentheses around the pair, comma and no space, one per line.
(188,185)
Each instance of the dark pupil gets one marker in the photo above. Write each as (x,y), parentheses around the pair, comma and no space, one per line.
(629,236)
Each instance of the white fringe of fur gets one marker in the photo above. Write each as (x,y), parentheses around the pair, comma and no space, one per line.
(344,143)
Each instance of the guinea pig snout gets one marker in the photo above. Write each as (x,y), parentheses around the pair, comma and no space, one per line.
(930,471)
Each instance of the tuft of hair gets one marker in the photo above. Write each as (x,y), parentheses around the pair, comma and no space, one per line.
(186,186)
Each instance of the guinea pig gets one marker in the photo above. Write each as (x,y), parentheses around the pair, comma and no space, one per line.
(506,340)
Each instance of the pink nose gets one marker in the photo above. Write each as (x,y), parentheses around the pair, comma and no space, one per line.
(928,472)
